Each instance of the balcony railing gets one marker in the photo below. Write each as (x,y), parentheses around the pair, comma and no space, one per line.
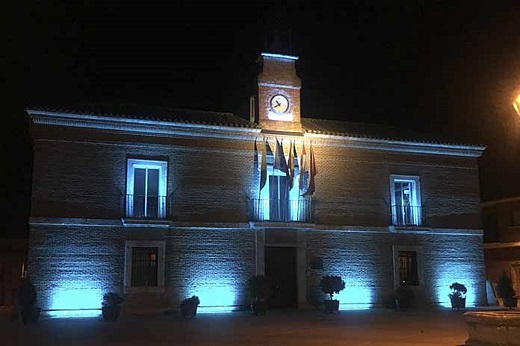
(407,215)
(146,206)
(279,210)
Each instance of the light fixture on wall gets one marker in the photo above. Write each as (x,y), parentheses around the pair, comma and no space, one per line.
(516,104)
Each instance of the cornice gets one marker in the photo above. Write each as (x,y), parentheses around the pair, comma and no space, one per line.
(152,127)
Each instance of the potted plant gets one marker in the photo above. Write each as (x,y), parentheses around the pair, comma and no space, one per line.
(111,306)
(403,297)
(458,295)
(189,306)
(27,301)
(506,291)
(331,284)
(258,289)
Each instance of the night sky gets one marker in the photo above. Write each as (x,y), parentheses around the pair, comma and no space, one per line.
(445,67)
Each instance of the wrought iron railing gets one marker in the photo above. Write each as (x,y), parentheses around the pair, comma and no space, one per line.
(146,206)
(407,215)
(279,210)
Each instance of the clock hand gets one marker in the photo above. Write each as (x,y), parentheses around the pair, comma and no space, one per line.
(277,104)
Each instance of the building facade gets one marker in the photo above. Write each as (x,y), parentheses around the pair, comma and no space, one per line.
(501,221)
(162,204)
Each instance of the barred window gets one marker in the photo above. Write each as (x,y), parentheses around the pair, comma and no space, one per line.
(408,271)
(144,266)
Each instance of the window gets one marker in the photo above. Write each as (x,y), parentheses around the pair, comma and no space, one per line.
(408,271)
(144,266)
(406,200)
(279,201)
(515,217)
(146,188)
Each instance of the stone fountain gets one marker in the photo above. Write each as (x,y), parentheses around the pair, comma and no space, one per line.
(500,327)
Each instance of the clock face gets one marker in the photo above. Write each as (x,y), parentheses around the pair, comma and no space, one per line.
(279,104)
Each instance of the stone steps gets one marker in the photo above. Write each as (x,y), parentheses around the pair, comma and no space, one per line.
(146,304)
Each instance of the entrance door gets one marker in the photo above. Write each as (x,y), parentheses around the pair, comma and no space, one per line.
(280,269)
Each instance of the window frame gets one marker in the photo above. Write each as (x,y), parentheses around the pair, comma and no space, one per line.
(416,208)
(396,249)
(162,166)
(129,245)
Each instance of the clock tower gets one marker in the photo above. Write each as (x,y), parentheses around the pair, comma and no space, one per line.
(278,94)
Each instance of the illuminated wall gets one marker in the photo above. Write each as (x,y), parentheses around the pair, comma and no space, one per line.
(363,258)
(460,259)
(72,267)
(213,264)
(357,258)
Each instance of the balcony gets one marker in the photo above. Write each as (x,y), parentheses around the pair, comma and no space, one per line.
(279,210)
(145,207)
(407,215)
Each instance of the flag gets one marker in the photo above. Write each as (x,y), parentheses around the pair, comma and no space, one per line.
(312,174)
(263,167)
(255,158)
(279,159)
(291,165)
(296,167)
(303,168)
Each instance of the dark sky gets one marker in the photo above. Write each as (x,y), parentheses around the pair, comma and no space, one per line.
(447,67)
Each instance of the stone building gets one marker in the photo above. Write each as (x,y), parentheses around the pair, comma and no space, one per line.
(160,204)
(501,222)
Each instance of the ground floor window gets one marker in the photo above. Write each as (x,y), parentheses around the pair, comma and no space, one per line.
(144,266)
(408,271)
(407,266)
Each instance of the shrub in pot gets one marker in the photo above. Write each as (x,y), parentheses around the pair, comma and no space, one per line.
(27,301)
(506,291)
(111,306)
(189,306)
(258,290)
(458,295)
(330,284)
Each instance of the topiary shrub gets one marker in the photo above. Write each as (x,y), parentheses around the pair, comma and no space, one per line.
(331,284)
(506,291)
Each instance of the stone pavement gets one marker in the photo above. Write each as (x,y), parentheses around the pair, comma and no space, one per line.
(443,327)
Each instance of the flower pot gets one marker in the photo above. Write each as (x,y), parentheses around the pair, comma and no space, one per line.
(510,302)
(110,313)
(189,310)
(30,314)
(458,302)
(331,306)
(259,307)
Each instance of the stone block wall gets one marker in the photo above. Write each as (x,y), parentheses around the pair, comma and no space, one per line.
(364,259)
(212,180)
(72,266)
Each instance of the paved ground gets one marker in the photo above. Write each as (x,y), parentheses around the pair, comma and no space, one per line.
(369,327)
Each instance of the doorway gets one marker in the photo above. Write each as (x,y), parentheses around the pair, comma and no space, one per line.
(280,269)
